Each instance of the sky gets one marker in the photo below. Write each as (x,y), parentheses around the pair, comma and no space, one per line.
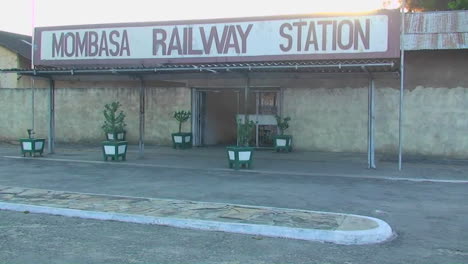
(20,16)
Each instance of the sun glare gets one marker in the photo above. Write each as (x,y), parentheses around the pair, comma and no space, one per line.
(60,12)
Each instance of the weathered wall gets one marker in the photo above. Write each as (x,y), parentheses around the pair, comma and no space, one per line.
(328,114)
(16,113)
(8,60)
(327,119)
(79,111)
(435,121)
(161,103)
(436,103)
(79,114)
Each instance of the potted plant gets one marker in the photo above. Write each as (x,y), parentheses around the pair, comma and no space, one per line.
(114,125)
(32,145)
(181,140)
(282,141)
(114,147)
(242,154)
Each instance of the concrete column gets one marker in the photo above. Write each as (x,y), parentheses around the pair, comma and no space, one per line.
(257,109)
(51,136)
(141,144)
(371,124)
(402,84)
(32,104)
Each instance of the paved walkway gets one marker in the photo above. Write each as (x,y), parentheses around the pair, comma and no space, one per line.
(254,220)
(267,161)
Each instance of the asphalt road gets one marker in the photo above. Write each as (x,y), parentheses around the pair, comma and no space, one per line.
(428,218)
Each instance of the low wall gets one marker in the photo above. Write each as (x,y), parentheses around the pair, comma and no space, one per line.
(79,112)
(16,113)
(323,119)
(435,120)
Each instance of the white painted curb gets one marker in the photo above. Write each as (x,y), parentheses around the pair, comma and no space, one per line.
(382,233)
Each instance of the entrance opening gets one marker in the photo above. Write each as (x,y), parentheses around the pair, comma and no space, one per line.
(215,112)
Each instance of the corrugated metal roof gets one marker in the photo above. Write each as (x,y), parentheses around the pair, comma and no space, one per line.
(436,22)
(436,30)
(436,41)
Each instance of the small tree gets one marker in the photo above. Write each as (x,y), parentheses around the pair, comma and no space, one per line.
(435,5)
(114,120)
(283,123)
(244,131)
(458,5)
(181,117)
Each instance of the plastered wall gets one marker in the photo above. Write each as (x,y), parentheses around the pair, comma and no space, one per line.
(8,60)
(16,113)
(161,103)
(79,111)
(435,120)
(328,114)
(332,115)
(327,119)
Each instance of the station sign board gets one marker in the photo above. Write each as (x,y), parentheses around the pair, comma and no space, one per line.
(284,38)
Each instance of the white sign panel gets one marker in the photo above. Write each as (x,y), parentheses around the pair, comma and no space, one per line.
(298,38)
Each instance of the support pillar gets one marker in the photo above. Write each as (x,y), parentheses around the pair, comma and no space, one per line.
(402,84)
(246,101)
(371,124)
(246,94)
(32,104)
(141,144)
(51,136)
(257,110)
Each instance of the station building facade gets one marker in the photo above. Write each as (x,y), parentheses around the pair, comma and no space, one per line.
(323,85)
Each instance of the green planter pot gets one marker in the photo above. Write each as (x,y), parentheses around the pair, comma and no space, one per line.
(119,136)
(32,146)
(240,156)
(181,140)
(283,143)
(114,150)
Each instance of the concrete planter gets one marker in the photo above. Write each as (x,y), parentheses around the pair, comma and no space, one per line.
(114,150)
(240,156)
(181,140)
(283,143)
(32,146)
(120,136)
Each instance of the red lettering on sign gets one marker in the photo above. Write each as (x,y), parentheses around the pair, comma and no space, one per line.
(287,36)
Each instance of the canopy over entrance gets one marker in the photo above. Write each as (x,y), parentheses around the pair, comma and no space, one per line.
(328,66)
(335,67)
(366,44)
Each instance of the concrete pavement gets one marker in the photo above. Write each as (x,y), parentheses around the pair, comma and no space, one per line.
(427,216)
(254,220)
(301,163)
(336,228)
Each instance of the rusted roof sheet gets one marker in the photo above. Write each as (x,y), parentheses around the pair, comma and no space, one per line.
(436,22)
(436,30)
(436,41)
